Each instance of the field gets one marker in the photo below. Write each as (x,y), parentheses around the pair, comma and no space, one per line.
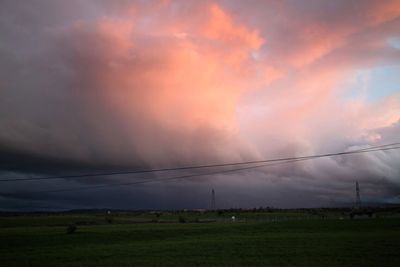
(197,239)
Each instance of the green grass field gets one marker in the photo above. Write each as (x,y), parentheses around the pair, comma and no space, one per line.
(133,241)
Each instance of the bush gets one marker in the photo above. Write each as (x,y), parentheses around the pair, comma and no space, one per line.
(71,228)
(181,219)
(109,218)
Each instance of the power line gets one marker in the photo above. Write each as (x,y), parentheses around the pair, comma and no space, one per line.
(191,167)
(162,179)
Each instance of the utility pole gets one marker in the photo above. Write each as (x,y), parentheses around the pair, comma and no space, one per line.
(357,210)
(212,199)
(358,200)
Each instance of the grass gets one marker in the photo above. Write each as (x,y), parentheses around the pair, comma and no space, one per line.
(42,241)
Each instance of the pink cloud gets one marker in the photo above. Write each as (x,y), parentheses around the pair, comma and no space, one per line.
(241,82)
(139,84)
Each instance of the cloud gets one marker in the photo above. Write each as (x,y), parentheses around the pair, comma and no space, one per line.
(94,85)
(111,91)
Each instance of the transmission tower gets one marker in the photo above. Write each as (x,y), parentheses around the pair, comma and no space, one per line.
(212,199)
(358,200)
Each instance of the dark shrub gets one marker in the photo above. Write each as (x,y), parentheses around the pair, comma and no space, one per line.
(71,228)
(181,219)
(109,218)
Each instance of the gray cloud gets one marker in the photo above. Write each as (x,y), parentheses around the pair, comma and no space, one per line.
(67,106)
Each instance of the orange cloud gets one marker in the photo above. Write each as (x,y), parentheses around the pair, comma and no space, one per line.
(220,26)
(180,83)
(182,76)
(179,72)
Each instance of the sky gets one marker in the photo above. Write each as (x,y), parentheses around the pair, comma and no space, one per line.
(91,86)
